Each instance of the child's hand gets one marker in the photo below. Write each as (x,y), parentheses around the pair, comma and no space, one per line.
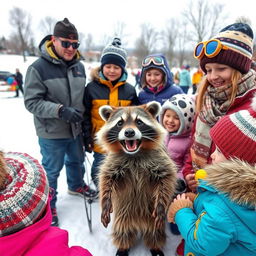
(191,196)
(191,182)
(180,202)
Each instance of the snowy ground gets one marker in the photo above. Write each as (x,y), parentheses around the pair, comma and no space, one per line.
(17,133)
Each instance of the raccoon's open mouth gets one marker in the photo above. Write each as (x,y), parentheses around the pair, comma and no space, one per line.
(131,146)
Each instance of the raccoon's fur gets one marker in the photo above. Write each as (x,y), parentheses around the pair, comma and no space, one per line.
(137,178)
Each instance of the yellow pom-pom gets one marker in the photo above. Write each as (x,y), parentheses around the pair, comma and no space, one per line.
(200,174)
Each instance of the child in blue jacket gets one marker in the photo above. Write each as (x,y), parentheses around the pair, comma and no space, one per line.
(220,220)
(156,80)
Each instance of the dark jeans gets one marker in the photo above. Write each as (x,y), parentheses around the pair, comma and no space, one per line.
(19,87)
(185,89)
(95,168)
(194,86)
(56,153)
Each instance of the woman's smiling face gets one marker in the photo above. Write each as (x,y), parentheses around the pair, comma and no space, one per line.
(218,74)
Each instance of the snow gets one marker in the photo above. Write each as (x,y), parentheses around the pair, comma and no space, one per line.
(17,133)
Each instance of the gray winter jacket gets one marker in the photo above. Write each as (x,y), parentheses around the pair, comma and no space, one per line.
(51,82)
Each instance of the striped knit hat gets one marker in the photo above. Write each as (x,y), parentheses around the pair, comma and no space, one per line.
(238,37)
(23,192)
(115,54)
(235,134)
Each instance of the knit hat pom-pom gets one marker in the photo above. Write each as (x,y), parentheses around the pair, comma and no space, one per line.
(253,105)
(116,42)
(200,174)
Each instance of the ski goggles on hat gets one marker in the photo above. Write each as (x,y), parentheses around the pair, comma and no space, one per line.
(157,60)
(66,44)
(210,48)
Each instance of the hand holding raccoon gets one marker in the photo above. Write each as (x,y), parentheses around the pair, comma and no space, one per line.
(137,178)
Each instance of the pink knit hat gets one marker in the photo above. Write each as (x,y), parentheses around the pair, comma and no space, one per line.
(23,191)
(235,134)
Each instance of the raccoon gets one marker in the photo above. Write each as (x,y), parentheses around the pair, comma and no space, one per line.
(137,178)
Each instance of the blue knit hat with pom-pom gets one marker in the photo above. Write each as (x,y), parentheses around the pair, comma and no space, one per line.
(114,54)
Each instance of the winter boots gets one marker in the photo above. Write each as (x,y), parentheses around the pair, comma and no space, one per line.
(122,252)
(126,252)
(55,219)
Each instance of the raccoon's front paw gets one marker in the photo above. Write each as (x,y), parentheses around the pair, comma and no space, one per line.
(105,214)
(159,215)
(105,218)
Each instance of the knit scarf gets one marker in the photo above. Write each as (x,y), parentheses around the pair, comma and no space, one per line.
(216,104)
(156,89)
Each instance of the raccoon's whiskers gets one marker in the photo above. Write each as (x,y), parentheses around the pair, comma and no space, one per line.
(152,139)
(151,134)
(112,141)
(111,138)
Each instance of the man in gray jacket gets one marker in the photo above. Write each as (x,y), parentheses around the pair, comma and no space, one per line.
(53,93)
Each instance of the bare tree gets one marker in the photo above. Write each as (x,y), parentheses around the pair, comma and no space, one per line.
(12,45)
(21,21)
(105,40)
(47,25)
(182,42)
(81,37)
(3,43)
(170,38)
(89,42)
(119,31)
(147,42)
(205,19)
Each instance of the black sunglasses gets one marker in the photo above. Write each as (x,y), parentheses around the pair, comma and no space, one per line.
(66,44)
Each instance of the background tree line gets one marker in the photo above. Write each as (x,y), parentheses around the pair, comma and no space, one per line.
(199,21)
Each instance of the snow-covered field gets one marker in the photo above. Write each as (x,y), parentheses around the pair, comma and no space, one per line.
(17,133)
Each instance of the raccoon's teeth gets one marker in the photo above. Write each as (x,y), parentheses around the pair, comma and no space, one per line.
(131,145)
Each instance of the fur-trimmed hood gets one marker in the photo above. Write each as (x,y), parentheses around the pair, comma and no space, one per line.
(94,74)
(235,179)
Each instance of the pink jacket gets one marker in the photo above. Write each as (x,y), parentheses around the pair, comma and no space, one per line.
(178,149)
(40,239)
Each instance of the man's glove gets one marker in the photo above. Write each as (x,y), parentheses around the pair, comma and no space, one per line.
(88,144)
(71,115)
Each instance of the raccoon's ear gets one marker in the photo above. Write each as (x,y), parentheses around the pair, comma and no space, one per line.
(154,108)
(105,111)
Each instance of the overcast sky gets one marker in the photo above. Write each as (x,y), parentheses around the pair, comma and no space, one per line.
(98,17)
